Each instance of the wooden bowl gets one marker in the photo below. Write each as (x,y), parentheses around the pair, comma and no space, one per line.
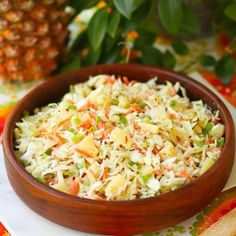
(117,217)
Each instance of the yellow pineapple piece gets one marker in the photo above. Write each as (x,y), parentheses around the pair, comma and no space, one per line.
(121,137)
(116,186)
(206,165)
(87,144)
(149,127)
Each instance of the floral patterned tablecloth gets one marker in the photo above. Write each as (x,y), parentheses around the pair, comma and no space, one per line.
(10,93)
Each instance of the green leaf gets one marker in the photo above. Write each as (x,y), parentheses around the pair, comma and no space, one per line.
(112,56)
(92,57)
(168,60)
(113,23)
(180,48)
(80,5)
(97,28)
(207,60)
(137,3)
(142,12)
(151,56)
(230,11)
(72,65)
(126,7)
(191,24)
(145,38)
(171,15)
(225,68)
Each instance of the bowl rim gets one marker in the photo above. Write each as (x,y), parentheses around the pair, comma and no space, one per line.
(9,130)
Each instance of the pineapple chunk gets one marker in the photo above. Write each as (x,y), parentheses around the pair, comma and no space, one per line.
(87,144)
(206,165)
(177,133)
(202,122)
(149,127)
(114,118)
(217,131)
(103,99)
(123,102)
(168,150)
(121,137)
(116,186)
(61,185)
(159,113)
(146,170)
(197,129)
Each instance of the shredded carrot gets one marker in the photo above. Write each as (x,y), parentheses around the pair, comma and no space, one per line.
(142,151)
(158,172)
(63,123)
(172,116)
(211,140)
(61,139)
(135,107)
(155,150)
(184,174)
(126,80)
(111,81)
(83,152)
(93,174)
(135,125)
(105,174)
(171,92)
(88,105)
(168,168)
(101,125)
(107,132)
(92,114)
(106,111)
(74,187)
(86,124)
(93,105)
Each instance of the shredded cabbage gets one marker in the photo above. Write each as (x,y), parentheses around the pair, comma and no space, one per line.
(114,139)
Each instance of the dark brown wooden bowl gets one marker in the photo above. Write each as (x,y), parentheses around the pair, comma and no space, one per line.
(118,217)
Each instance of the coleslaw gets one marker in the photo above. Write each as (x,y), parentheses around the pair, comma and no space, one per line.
(114,139)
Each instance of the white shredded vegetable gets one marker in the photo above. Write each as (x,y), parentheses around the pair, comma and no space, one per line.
(114,139)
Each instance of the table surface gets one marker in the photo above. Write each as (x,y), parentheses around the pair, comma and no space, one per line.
(22,221)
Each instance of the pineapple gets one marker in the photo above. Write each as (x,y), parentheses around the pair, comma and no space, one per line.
(32,38)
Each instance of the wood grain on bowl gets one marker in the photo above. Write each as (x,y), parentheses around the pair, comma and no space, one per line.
(118,217)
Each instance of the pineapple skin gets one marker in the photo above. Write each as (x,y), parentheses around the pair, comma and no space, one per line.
(33,35)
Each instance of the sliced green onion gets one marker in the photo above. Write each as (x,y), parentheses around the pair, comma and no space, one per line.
(77,138)
(73,107)
(220,143)
(145,145)
(141,105)
(207,128)
(123,120)
(130,163)
(44,155)
(98,118)
(173,103)
(72,130)
(146,178)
